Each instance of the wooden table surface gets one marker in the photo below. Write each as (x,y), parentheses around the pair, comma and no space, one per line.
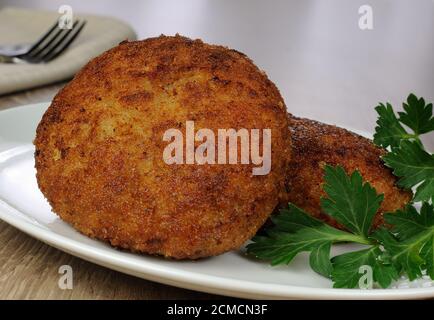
(29,268)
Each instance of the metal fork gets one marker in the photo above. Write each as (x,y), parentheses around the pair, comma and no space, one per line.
(54,42)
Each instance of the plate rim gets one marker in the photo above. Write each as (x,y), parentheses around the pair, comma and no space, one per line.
(149,270)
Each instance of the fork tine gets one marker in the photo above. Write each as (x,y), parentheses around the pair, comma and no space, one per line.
(66,41)
(43,37)
(38,54)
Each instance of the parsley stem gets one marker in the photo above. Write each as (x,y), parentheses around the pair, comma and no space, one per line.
(410,136)
(355,238)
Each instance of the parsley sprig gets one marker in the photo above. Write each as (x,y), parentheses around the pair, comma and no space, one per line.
(411,240)
(417,116)
(408,158)
(350,201)
(405,248)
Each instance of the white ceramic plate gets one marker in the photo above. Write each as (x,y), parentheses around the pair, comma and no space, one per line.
(23,206)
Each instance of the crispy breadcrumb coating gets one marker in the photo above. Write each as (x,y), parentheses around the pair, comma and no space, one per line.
(99,148)
(315,144)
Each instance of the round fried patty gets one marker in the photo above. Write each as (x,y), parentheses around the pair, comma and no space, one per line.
(99,148)
(315,144)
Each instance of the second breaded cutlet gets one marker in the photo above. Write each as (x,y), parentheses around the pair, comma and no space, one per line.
(315,144)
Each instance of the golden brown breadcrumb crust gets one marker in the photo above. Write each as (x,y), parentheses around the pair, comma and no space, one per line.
(99,148)
(315,144)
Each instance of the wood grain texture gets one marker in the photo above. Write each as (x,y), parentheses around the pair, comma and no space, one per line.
(29,268)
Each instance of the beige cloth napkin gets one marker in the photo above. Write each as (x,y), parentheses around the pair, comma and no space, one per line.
(25,26)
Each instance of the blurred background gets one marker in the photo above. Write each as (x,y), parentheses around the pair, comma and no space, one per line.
(325,66)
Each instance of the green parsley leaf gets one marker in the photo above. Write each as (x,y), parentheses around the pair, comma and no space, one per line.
(412,246)
(294,232)
(417,116)
(389,132)
(427,253)
(319,259)
(414,166)
(405,255)
(347,270)
(409,222)
(350,201)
